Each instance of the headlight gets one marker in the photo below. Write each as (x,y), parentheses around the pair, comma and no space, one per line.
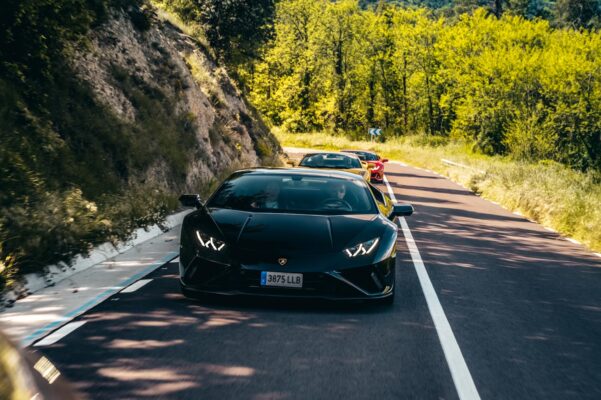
(209,242)
(362,248)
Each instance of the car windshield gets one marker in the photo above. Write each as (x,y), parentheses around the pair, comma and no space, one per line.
(325,160)
(294,194)
(365,156)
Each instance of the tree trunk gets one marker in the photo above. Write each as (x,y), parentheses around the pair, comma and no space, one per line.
(339,70)
(498,8)
(405,106)
(372,97)
(430,107)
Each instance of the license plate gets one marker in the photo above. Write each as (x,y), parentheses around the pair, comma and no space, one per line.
(281,279)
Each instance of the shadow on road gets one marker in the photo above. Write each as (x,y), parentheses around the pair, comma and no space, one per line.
(524,303)
(157,344)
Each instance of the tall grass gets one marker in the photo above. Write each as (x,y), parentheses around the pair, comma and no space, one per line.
(546,192)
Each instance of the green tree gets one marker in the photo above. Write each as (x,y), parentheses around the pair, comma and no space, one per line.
(577,13)
(236,29)
(341,50)
(378,75)
(286,83)
(508,85)
(33,32)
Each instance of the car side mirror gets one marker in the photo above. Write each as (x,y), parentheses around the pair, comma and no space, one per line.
(402,210)
(371,165)
(190,200)
(384,160)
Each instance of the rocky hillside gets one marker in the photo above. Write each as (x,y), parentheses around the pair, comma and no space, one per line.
(161,61)
(107,114)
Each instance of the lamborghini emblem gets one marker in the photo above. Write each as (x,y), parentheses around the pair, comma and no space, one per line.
(282,261)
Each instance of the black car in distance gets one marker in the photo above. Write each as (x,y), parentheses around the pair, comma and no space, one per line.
(293,233)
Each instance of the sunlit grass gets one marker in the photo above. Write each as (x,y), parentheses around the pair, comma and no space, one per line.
(193,30)
(547,192)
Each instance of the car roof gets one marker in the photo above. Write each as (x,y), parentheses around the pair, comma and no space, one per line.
(330,173)
(334,153)
(359,151)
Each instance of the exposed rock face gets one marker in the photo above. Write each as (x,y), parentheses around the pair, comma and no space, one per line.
(228,133)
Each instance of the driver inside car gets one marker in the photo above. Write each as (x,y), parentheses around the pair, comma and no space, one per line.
(269,199)
(339,191)
(337,197)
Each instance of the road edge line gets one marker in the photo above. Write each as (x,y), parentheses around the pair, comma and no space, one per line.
(36,281)
(464,383)
(136,286)
(60,333)
(68,317)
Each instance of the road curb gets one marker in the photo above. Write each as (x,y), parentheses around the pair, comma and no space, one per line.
(72,314)
(54,274)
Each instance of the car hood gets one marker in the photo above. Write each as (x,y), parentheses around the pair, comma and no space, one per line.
(357,171)
(256,239)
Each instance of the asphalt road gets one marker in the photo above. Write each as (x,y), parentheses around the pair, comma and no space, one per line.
(524,306)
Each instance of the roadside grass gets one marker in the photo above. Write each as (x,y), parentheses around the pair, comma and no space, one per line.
(546,192)
(191,29)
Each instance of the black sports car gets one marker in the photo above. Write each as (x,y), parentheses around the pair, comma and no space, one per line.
(293,233)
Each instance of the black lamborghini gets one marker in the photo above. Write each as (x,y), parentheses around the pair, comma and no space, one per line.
(293,233)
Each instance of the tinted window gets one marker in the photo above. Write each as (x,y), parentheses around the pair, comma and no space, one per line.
(365,156)
(294,193)
(325,160)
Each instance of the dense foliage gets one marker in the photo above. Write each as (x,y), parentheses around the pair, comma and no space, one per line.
(236,29)
(67,164)
(509,85)
(560,13)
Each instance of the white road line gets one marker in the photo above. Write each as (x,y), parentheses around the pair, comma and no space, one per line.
(135,286)
(573,241)
(464,384)
(390,192)
(59,334)
(597,254)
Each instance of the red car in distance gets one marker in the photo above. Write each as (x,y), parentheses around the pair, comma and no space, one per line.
(377,162)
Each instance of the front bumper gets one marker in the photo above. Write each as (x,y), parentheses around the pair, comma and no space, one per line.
(375,281)
(377,176)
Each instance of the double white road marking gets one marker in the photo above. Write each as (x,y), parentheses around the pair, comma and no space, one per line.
(466,389)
